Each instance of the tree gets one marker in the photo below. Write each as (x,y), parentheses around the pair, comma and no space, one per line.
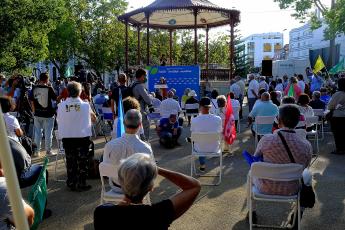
(24,30)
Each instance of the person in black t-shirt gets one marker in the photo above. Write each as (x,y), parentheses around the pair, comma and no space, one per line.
(41,98)
(136,176)
(122,79)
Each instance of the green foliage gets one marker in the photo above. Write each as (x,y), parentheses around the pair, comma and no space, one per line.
(334,17)
(25,25)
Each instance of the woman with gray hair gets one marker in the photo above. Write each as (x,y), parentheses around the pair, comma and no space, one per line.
(136,176)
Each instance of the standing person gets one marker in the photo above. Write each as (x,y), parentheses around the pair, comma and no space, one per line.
(285,82)
(279,87)
(214,106)
(263,84)
(121,86)
(242,85)
(337,107)
(301,82)
(235,88)
(207,88)
(292,89)
(41,99)
(141,94)
(206,122)
(253,91)
(315,80)
(163,61)
(74,121)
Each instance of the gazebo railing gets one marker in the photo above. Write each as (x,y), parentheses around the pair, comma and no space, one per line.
(215,74)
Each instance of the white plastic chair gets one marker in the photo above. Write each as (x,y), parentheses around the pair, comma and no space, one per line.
(207,138)
(109,170)
(190,107)
(321,114)
(274,172)
(314,133)
(236,111)
(262,120)
(60,153)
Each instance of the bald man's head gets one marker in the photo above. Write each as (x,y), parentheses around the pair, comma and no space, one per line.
(265,96)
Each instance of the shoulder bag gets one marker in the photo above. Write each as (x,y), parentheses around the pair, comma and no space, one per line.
(307,194)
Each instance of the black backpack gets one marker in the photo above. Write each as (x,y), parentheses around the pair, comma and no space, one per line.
(128,91)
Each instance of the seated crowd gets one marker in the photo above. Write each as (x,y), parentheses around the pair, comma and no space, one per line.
(131,153)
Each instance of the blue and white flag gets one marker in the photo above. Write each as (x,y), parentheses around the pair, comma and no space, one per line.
(120,126)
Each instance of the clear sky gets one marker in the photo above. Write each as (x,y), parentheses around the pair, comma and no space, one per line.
(257,16)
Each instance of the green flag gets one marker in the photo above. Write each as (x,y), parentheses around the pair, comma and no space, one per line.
(338,67)
(291,92)
(38,196)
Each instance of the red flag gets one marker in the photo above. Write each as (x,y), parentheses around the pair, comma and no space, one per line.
(229,130)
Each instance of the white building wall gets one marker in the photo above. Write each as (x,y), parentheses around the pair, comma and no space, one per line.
(303,39)
(259,40)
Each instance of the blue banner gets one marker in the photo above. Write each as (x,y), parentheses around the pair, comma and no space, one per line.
(177,77)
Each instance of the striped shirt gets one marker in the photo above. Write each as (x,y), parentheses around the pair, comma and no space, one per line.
(273,151)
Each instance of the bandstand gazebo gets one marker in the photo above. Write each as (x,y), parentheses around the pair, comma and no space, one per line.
(172,15)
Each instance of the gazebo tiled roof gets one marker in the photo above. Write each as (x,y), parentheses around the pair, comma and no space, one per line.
(179,14)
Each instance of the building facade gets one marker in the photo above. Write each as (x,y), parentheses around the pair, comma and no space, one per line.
(303,39)
(260,47)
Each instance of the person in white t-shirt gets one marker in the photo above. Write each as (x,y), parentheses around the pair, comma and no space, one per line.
(235,89)
(214,106)
(74,119)
(263,84)
(253,91)
(206,122)
(11,122)
(170,106)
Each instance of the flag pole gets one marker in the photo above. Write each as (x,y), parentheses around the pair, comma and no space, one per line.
(13,190)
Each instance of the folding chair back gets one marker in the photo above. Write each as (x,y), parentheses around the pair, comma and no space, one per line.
(276,172)
(273,172)
(314,133)
(109,171)
(107,114)
(189,107)
(262,120)
(319,112)
(312,120)
(207,138)
(203,137)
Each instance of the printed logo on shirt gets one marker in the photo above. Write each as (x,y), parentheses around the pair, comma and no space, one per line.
(76,108)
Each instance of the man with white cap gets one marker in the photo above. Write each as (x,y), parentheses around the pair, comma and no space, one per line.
(206,122)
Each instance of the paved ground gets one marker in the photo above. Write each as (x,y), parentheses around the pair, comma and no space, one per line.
(220,207)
